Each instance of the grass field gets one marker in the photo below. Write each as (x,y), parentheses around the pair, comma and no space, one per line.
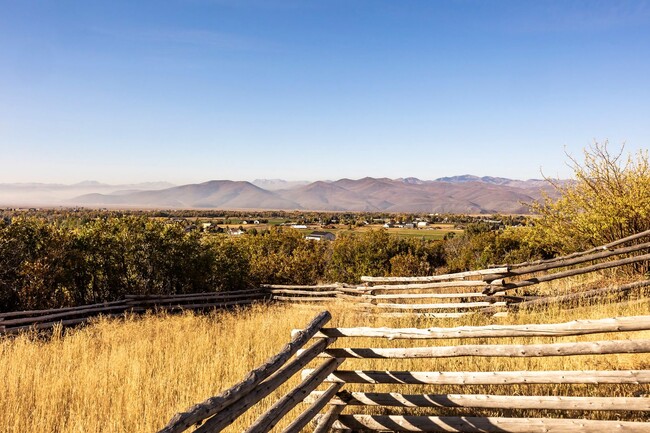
(435,232)
(134,374)
(432,232)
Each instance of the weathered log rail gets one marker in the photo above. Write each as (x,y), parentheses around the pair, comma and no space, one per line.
(351,410)
(318,293)
(432,296)
(19,321)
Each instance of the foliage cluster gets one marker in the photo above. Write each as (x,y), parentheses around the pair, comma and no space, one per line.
(607,200)
(481,246)
(67,262)
(45,265)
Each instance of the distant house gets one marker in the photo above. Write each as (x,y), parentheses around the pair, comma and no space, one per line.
(409,225)
(319,236)
(422,224)
(388,225)
(236,232)
(298,226)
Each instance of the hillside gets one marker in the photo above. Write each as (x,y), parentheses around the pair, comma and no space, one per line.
(222,194)
(462,194)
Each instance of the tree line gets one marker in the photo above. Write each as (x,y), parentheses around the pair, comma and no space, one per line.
(49,264)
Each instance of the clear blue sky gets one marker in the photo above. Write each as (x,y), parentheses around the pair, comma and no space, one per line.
(193,90)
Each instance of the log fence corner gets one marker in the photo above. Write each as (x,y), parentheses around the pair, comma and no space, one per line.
(216,413)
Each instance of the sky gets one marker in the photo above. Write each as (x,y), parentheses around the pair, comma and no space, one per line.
(186,91)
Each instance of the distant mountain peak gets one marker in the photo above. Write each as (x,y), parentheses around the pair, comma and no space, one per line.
(411,180)
(276,184)
(88,183)
(458,179)
(472,178)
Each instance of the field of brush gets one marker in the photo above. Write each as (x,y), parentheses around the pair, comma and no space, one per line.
(134,374)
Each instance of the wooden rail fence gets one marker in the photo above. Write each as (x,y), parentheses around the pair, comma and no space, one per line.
(631,410)
(446,296)
(440,296)
(338,406)
(484,290)
(523,273)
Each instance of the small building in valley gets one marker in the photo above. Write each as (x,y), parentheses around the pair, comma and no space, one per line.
(319,236)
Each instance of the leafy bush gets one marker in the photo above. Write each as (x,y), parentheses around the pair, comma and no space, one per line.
(608,200)
(47,265)
(284,256)
(377,253)
(479,247)
(230,264)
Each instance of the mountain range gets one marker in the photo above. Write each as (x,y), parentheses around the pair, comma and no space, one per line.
(56,194)
(458,194)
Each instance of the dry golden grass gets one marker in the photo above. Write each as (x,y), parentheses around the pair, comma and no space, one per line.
(134,374)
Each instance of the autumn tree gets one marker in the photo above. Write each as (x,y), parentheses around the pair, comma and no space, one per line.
(231,268)
(378,253)
(607,200)
(284,256)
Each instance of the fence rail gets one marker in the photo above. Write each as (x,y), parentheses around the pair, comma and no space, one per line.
(399,423)
(19,321)
(491,401)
